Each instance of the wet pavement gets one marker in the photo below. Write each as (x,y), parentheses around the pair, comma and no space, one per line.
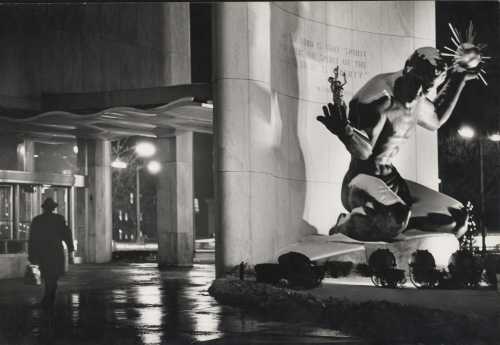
(138,304)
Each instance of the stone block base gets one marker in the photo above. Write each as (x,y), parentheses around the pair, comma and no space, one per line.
(339,247)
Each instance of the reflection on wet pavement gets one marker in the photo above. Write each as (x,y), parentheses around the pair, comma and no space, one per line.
(138,304)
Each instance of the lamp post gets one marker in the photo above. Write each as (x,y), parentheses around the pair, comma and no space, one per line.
(153,167)
(142,150)
(468,133)
(138,200)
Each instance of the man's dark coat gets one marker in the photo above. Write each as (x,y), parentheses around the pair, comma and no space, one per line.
(47,232)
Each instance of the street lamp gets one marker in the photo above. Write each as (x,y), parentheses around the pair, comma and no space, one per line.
(142,149)
(118,164)
(154,167)
(145,149)
(468,133)
(495,137)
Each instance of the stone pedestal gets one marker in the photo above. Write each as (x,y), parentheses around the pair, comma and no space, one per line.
(339,247)
(175,201)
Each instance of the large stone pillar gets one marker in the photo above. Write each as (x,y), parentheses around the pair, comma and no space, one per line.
(175,201)
(96,206)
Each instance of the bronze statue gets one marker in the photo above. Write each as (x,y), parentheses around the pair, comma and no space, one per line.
(382,115)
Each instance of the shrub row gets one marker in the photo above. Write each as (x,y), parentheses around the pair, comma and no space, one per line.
(377,321)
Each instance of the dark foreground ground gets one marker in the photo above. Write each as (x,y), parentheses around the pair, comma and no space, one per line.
(127,303)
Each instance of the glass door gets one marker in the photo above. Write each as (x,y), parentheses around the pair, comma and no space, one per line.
(28,208)
(6,215)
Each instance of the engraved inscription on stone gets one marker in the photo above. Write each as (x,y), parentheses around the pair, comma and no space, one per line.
(320,58)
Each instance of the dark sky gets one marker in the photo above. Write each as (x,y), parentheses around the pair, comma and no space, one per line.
(479,105)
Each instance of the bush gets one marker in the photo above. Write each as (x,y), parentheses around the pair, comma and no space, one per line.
(379,321)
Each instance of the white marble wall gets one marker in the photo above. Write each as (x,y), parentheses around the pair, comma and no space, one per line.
(279,171)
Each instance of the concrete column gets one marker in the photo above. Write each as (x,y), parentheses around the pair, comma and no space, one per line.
(25,157)
(97,197)
(81,205)
(175,201)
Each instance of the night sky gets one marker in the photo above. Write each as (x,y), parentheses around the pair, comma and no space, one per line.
(478,107)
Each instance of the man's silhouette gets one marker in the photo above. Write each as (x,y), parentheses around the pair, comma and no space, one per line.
(47,232)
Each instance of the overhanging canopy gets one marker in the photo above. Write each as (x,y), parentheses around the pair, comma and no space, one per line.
(109,115)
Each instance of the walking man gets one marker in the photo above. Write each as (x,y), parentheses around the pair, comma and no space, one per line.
(47,232)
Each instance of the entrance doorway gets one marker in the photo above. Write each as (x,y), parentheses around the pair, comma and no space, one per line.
(19,204)
(134,195)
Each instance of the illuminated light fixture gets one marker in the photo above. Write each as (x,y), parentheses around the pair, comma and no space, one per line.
(75,149)
(154,167)
(22,150)
(466,132)
(118,164)
(494,137)
(36,156)
(145,149)
(207,105)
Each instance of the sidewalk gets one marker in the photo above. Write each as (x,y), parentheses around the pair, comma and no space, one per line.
(138,304)
(481,302)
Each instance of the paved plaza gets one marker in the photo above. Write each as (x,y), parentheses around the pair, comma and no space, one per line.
(127,303)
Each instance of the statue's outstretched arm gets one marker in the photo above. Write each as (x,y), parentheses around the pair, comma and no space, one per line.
(436,108)
(335,120)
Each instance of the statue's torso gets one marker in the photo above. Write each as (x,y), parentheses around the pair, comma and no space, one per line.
(398,125)
(391,126)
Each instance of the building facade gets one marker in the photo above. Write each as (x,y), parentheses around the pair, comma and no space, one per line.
(75,78)
(79,76)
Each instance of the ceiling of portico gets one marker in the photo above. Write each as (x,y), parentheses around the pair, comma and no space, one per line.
(149,113)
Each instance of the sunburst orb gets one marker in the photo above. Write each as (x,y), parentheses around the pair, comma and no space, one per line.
(467,55)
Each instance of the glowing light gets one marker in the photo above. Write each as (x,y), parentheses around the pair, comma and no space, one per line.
(494,137)
(118,164)
(468,54)
(22,149)
(145,149)
(154,167)
(75,149)
(466,132)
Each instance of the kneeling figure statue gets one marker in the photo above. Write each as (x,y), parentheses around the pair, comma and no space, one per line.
(382,116)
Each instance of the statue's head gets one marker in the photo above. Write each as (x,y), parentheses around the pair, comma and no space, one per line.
(425,65)
(420,72)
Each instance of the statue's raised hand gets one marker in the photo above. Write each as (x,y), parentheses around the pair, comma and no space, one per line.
(334,118)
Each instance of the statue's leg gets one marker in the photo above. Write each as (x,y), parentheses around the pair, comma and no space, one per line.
(434,211)
(377,213)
